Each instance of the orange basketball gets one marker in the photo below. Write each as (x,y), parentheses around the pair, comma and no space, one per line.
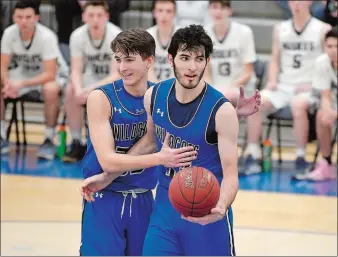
(194,191)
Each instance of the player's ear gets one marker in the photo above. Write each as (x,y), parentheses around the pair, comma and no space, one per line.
(208,60)
(37,18)
(150,61)
(170,58)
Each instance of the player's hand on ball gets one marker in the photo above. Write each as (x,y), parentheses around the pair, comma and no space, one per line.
(180,157)
(215,215)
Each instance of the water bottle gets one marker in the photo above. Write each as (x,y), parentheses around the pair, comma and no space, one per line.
(62,147)
(267,155)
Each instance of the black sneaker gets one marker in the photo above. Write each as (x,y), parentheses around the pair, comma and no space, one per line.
(76,153)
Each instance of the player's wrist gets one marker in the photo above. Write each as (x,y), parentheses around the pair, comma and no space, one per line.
(158,158)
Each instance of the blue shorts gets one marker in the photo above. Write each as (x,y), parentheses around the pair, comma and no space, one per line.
(115,224)
(169,234)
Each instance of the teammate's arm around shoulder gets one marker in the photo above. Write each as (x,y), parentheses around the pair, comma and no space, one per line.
(147,144)
(99,114)
(227,146)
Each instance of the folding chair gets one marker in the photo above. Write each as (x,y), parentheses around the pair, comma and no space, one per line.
(31,97)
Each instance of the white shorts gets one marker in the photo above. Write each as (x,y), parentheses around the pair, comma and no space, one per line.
(282,97)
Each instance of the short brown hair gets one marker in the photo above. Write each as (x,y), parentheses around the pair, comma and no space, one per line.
(102,3)
(134,41)
(156,1)
(224,3)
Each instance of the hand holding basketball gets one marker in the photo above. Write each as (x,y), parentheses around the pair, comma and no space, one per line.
(194,192)
(179,157)
(216,214)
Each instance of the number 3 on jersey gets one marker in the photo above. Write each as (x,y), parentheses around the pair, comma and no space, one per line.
(224,68)
(124,150)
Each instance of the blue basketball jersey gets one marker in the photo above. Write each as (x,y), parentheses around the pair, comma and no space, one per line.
(128,123)
(193,133)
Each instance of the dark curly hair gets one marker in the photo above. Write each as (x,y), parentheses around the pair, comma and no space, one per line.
(191,38)
(134,41)
(332,33)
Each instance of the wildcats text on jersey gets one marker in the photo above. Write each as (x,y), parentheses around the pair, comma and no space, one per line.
(123,133)
(174,141)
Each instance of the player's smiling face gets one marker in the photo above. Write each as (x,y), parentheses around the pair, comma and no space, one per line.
(189,66)
(132,68)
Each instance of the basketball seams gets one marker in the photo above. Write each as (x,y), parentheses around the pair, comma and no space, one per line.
(179,186)
(210,191)
(193,199)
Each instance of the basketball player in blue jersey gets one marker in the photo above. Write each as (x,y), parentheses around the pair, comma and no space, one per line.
(116,222)
(196,114)
(93,182)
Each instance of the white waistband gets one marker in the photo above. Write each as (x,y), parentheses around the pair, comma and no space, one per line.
(136,191)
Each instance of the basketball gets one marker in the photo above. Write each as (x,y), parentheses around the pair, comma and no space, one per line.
(194,191)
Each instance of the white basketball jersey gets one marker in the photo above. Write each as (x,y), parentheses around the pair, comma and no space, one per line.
(97,55)
(299,51)
(162,67)
(231,53)
(27,57)
(325,75)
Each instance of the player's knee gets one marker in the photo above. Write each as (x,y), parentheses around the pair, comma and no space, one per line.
(320,119)
(266,106)
(299,107)
(69,93)
(51,91)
